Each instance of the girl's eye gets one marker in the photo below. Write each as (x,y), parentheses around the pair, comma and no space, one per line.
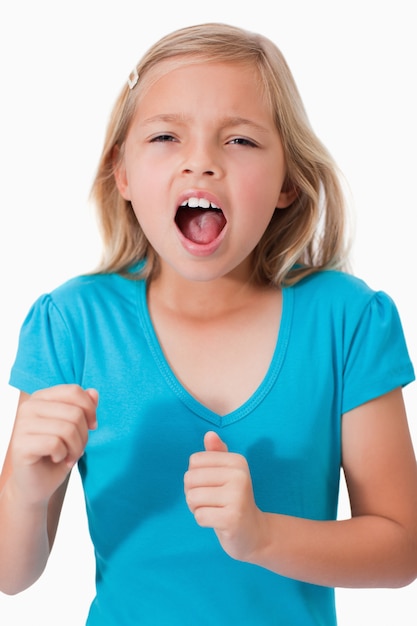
(162,138)
(241,141)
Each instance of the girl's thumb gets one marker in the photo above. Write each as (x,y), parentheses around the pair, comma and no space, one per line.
(213,443)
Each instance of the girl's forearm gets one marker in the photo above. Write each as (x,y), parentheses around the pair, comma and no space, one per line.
(368,551)
(24,542)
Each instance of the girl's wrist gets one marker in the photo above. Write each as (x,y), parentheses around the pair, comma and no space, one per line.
(19,500)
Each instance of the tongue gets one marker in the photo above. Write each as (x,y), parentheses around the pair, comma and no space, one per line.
(202,226)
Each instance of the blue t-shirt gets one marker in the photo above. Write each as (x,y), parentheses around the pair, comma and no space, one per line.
(340,344)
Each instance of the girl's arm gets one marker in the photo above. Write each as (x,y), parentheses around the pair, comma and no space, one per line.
(49,435)
(377,547)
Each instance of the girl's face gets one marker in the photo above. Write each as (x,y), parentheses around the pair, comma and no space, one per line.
(203,167)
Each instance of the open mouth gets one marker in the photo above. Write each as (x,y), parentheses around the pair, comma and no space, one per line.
(199,220)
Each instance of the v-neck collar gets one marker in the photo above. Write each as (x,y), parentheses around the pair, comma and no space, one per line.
(185,396)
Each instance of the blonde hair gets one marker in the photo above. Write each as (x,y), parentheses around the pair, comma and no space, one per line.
(306,237)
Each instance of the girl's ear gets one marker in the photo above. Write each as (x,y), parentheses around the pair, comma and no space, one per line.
(120,173)
(287,195)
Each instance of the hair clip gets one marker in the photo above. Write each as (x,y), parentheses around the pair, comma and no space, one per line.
(133,78)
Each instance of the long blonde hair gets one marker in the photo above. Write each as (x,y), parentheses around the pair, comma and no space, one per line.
(307,236)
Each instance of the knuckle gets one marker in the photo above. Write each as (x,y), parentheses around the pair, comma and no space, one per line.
(193,460)
(190,499)
(187,483)
(56,446)
(189,502)
(67,429)
(200,517)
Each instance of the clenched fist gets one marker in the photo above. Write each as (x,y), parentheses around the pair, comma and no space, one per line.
(218,491)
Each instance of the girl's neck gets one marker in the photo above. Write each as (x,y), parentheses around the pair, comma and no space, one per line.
(203,298)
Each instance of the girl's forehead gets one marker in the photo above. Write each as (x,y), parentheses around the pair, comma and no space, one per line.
(204,90)
(179,66)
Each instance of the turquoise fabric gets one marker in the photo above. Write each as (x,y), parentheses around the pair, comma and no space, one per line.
(340,344)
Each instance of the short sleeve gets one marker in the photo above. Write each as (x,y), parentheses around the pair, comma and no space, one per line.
(44,354)
(376,358)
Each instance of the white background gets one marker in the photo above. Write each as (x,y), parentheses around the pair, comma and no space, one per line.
(62,65)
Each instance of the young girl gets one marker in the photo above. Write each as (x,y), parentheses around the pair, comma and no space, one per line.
(215,374)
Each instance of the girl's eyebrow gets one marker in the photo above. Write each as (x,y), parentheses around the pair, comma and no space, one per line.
(225,123)
(165,117)
(233,121)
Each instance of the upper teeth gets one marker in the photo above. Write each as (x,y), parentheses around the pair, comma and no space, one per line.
(201,203)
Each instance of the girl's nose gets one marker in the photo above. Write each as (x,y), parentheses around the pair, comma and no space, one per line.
(196,170)
(202,161)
